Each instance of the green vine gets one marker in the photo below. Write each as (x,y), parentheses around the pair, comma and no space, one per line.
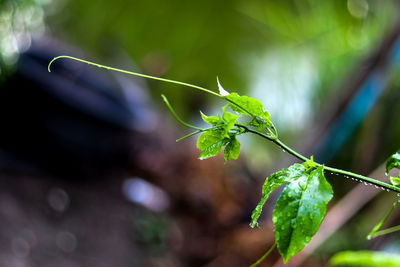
(301,206)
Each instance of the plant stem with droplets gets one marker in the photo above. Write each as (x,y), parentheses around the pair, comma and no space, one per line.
(326,168)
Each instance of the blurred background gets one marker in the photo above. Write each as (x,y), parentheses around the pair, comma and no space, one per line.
(91,175)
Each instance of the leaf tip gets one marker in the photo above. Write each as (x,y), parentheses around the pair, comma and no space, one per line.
(254,224)
(222,91)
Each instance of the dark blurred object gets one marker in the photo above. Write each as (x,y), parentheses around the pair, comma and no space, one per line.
(68,122)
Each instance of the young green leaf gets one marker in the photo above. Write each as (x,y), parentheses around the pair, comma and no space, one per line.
(221,89)
(225,124)
(395,180)
(232,149)
(299,212)
(230,120)
(393,162)
(210,143)
(212,120)
(251,107)
(365,259)
(293,173)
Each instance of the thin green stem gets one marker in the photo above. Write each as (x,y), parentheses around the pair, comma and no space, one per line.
(177,117)
(136,74)
(386,231)
(191,134)
(264,256)
(263,135)
(326,168)
(377,227)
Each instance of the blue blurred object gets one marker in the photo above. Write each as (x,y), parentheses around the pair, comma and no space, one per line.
(358,107)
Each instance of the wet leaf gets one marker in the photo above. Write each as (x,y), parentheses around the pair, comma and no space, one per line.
(395,180)
(299,212)
(393,162)
(272,182)
(251,107)
(232,149)
(210,143)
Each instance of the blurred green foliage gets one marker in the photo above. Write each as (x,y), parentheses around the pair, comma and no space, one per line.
(194,41)
(20,21)
(365,259)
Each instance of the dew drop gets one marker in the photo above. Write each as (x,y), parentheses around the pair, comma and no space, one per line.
(365,183)
(398,194)
(376,186)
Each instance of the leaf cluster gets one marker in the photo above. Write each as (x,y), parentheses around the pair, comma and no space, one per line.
(301,206)
(225,129)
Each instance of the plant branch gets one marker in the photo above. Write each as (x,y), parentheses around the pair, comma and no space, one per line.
(191,134)
(135,74)
(386,231)
(173,113)
(271,137)
(264,256)
(326,168)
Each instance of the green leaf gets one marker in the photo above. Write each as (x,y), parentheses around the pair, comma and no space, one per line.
(299,212)
(210,143)
(228,117)
(365,259)
(395,180)
(232,149)
(251,107)
(393,162)
(212,120)
(230,120)
(272,182)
